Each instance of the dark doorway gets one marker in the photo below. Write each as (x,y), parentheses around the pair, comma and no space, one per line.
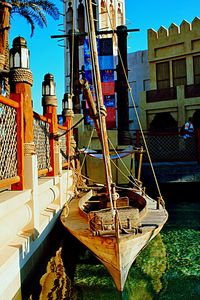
(196,119)
(163,122)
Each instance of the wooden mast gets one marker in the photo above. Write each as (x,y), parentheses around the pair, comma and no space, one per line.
(102,118)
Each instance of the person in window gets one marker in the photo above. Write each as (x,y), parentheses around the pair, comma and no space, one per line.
(188,129)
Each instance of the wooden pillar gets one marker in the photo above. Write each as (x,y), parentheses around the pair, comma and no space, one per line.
(21,83)
(49,103)
(4,52)
(121,86)
(74,71)
(20,138)
(68,116)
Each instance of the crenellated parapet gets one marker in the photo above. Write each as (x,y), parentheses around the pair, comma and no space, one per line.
(175,40)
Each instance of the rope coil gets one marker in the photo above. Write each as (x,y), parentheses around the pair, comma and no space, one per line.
(29,148)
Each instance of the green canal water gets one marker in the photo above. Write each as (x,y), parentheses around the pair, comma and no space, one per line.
(168,269)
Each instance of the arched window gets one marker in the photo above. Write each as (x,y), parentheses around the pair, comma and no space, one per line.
(94,6)
(104,15)
(17,60)
(81,21)
(112,15)
(120,17)
(69,17)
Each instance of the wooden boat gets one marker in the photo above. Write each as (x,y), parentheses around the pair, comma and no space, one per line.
(116,240)
(115,224)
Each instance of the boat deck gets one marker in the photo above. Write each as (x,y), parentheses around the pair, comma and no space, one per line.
(75,222)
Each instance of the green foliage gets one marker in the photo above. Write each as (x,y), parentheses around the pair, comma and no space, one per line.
(34,11)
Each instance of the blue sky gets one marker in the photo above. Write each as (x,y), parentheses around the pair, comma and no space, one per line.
(48,57)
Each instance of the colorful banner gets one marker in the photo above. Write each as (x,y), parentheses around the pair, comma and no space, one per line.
(109,101)
(106,66)
(108,88)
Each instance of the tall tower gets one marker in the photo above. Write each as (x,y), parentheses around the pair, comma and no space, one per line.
(108,15)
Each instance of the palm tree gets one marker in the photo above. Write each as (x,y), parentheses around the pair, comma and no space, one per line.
(34,11)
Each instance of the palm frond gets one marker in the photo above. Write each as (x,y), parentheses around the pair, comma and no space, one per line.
(28,19)
(34,11)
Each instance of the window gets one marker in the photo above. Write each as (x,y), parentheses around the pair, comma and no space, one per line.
(94,8)
(146,85)
(120,18)
(81,22)
(162,75)
(112,15)
(196,64)
(179,72)
(69,18)
(104,15)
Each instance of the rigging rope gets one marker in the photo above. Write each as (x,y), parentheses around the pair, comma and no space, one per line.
(121,160)
(133,102)
(72,54)
(84,158)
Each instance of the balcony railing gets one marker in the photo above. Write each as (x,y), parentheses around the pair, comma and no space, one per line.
(170,147)
(161,95)
(166,146)
(192,91)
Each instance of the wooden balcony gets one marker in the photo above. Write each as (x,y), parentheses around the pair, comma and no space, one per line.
(161,95)
(192,91)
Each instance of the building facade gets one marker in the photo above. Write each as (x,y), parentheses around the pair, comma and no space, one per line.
(174,62)
(108,15)
(139,80)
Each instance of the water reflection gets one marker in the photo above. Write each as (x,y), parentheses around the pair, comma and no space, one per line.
(169,268)
(144,279)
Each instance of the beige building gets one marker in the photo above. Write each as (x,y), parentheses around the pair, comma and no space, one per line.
(174,61)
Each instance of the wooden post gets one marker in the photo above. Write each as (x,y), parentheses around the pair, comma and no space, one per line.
(121,86)
(5,25)
(51,113)
(4,30)
(20,138)
(49,103)
(74,70)
(21,83)
(105,147)
(68,116)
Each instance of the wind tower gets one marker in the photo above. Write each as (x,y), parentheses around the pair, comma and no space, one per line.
(108,15)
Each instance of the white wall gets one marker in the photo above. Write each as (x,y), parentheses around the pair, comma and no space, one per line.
(139,80)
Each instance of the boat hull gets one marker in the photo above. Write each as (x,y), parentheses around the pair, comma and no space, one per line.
(116,253)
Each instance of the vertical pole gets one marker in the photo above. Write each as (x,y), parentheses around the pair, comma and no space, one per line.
(105,148)
(74,71)
(68,115)
(4,30)
(49,103)
(51,113)
(20,138)
(121,88)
